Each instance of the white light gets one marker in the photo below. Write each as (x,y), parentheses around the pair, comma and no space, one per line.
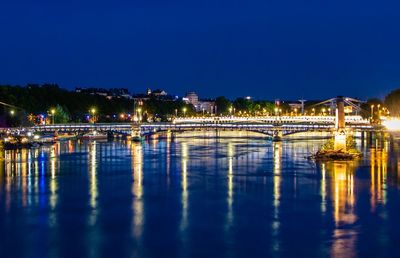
(392,124)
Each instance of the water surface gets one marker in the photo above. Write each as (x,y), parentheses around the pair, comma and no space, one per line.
(198,196)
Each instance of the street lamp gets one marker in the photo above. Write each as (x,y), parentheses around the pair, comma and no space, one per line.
(230,111)
(184,111)
(52,111)
(372,111)
(379,111)
(12,112)
(276,111)
(93,112)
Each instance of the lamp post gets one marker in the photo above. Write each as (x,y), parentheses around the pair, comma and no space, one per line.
(93,112)
(52,111)
(379,112)
(12,112)
(372,111)
(184,111)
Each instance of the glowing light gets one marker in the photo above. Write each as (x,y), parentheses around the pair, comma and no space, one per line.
(392,124)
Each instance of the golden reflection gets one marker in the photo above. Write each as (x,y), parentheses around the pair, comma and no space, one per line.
(277,148)
(93,191)
(277,151)
(184,161)
(344,239)
(323,188)
(378,161)
(23,175)
(137,189)
(53,181)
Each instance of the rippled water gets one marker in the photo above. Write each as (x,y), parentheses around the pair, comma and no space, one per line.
(198,196)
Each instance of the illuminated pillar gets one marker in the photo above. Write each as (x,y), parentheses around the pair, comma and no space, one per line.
(340,126)
(340,120)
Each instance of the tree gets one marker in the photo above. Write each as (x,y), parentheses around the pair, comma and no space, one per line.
(243,105)
(392,102)
(61,115)
(223,105)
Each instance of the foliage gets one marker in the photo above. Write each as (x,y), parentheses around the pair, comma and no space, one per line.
(392,102)
(350,144)
(223,105)
(72,106)
(165,109)
(61,115)
(253,107)
(329,145)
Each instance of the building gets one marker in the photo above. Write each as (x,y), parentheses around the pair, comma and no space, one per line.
(205,106)
(192,98)
(108,93)
(157,93)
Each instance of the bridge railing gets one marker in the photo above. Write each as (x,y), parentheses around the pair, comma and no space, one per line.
(272,119)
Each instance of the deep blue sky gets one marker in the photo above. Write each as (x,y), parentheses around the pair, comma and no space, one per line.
(267,49)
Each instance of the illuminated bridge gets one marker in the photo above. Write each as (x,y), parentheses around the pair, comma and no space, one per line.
(271,126)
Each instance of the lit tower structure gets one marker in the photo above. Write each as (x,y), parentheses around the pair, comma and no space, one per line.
(340,125)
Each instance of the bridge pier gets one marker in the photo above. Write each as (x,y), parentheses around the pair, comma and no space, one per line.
(278,135)
(136,133)
(340,126)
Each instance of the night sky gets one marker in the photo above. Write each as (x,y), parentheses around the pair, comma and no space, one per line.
(266,49)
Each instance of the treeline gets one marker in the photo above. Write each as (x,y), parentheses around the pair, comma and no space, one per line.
(246,106)
(37,99)
(22,103)
(70,106)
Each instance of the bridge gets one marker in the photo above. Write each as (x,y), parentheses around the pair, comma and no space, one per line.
(273,126)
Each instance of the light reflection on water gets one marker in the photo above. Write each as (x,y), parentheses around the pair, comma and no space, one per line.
(202,195)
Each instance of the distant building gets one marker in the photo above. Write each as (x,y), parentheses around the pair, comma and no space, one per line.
(192,98)
(108,93)
(294,106)
(205,106)
(157,93)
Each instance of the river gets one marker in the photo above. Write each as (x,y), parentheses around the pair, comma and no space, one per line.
(198,195)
